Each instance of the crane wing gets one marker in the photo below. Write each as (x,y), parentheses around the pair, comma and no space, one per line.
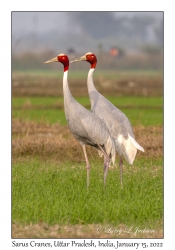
(118,124)
(99,134)
(89,129)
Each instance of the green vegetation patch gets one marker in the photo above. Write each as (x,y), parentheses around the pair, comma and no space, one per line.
(57,193)
(146,111)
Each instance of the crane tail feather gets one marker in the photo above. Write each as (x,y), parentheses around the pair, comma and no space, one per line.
(113,153)
(110,149)
(135,144)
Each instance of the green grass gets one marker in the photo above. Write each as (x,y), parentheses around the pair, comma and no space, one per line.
(82,74)
(19,101)
(43,191)
(49,115)
(118,101)
(57,194)
(146,111)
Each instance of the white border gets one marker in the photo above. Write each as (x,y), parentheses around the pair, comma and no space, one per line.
(5,98)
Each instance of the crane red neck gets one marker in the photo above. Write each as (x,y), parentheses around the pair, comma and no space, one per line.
(64,60)
(91,58)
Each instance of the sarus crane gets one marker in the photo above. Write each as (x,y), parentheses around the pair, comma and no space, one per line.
(85,125)
(117,122)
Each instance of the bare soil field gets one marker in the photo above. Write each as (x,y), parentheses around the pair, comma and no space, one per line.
(122,84)
(43,230)
(30,138)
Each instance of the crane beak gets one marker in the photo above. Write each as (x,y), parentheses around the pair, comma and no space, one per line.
(82,58)
(55,59)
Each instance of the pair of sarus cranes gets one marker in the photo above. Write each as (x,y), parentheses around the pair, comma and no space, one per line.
(105,127)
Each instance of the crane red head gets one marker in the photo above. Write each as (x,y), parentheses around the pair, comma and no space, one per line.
(62,58)
(89,57)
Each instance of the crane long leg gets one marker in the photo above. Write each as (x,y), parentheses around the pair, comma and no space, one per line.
(106,164)
(121,169)
(87,164)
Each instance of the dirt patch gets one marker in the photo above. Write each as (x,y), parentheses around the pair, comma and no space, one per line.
(93,231)
(125,85)
(57,143)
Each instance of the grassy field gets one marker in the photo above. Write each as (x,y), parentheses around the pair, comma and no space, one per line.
(140,110)
(49,195)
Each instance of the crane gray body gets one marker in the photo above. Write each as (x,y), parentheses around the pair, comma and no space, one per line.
(85,125)
(117,122)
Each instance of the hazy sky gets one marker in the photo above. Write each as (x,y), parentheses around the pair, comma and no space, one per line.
(45,21)
(42,21)
(81,30)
